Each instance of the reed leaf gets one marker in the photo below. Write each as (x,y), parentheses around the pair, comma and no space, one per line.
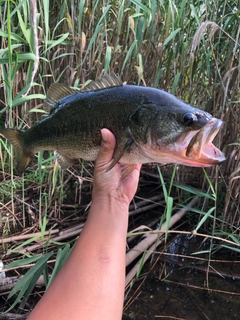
(27,283)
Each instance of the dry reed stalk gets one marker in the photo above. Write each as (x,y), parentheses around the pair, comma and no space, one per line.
(6,284)
(231,293)
(14,316)
(65,236)
(153,239)
(145,208)
(141,228)
(143,202)
(28,236)
(131,274)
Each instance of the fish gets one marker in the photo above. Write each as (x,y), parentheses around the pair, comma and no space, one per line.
(149,124)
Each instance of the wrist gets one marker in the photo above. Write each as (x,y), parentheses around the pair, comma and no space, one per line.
(111,201)
(110,214)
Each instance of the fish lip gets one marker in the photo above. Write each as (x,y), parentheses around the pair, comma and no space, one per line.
(201,148)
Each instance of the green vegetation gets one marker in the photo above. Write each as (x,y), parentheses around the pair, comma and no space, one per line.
(190,49)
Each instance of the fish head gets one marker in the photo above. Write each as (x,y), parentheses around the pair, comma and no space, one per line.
(184,136)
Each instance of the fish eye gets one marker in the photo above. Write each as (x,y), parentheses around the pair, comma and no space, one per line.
(189,119)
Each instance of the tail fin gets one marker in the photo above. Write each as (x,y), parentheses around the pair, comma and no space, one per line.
(24,157)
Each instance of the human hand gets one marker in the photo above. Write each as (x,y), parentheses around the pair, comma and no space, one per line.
(109,184)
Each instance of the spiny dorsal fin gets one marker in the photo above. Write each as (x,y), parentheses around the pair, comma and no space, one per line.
(56,92)
(106,81)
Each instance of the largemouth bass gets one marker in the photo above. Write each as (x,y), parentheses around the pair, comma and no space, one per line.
(149,125)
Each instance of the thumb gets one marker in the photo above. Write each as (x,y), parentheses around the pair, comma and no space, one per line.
(107,148)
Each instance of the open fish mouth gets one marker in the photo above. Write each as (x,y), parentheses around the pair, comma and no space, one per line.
(201,149)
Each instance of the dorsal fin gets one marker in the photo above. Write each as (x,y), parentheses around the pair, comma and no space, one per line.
(56,92)
(106,81)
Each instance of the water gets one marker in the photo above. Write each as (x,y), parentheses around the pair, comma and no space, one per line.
(177,287)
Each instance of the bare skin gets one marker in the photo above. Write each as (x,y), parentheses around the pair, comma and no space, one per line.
(91,283)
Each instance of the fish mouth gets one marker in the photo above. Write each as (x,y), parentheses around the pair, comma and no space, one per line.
(201,149)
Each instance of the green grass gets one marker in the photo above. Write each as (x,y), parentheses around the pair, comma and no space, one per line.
(186,48)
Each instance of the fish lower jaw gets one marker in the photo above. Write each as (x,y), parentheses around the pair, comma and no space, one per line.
(211,161)
(205,159)
(198,160)
(211,154)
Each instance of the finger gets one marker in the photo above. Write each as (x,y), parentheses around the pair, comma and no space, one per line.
(138,167)
(107,148)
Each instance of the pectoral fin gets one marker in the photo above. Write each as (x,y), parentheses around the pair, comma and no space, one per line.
(126,170)
(63,161)
(119,156)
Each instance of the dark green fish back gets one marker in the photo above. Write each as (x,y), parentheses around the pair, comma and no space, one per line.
(57,91)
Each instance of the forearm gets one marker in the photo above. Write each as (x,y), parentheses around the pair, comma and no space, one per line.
(94,274)
(91,283)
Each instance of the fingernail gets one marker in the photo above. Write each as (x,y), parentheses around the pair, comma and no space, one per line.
(104,135)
